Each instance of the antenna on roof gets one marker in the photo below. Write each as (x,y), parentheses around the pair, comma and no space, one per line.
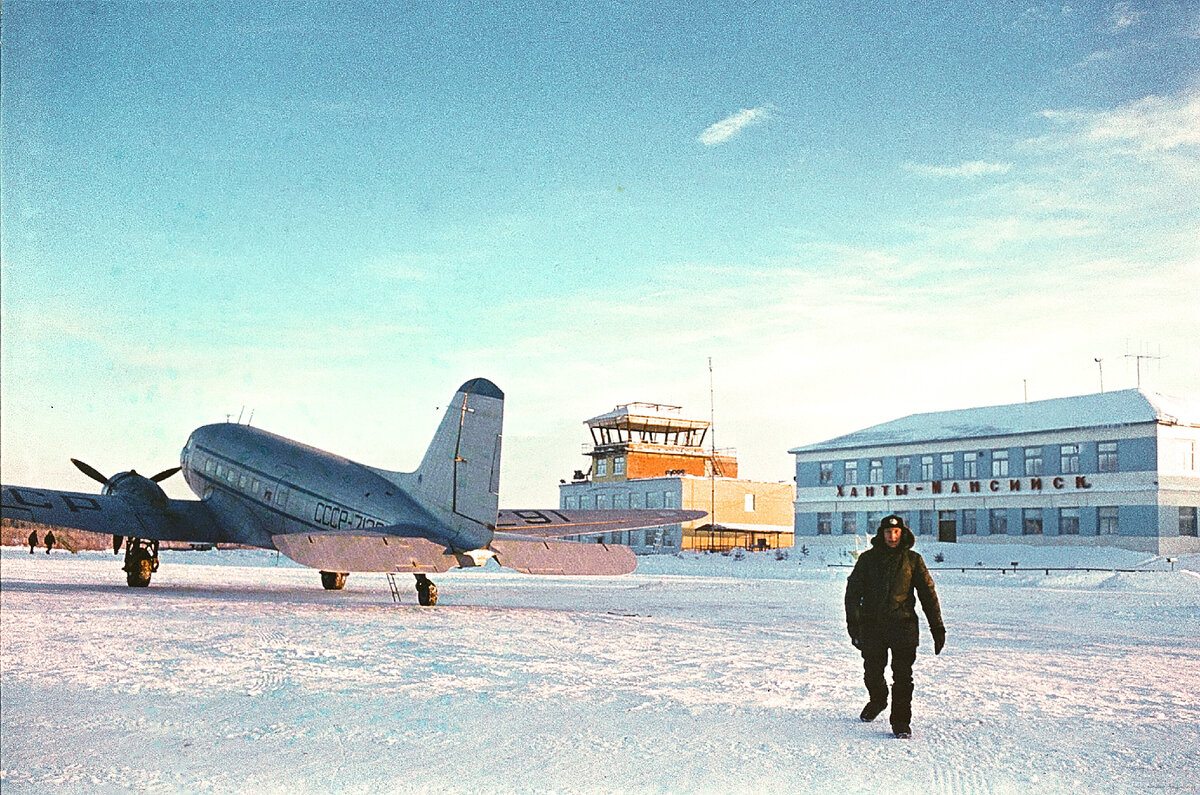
(1138,358)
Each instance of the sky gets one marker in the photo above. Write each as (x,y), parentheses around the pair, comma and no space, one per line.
(330,215)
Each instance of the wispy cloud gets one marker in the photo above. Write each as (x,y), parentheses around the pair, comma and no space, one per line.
(1151,124)
(725,129)
(1123,16)
(968,170)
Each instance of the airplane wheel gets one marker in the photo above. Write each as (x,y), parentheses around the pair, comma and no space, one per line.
(138,571)
(333,580)
(426,591)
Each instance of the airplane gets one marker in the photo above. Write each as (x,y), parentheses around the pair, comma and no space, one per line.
(338,516)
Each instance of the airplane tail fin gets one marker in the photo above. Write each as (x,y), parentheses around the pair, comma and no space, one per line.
(460,472)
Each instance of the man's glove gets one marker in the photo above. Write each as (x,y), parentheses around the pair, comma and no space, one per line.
(939,638)
(855,639)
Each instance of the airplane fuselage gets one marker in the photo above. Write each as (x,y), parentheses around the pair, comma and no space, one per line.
(262,485)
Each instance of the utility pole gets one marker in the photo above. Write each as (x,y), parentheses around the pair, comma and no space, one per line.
(712,446)
(1100,361)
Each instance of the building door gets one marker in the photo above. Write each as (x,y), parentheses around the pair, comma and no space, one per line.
(947,527)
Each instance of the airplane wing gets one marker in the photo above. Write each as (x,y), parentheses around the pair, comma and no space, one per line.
(525,540)
(555,523)
(111,514)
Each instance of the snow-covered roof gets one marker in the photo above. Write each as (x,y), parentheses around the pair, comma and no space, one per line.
(1100,410)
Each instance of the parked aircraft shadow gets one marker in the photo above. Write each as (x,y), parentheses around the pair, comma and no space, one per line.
(219,592)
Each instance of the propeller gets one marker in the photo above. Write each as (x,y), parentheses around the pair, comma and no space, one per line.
(95,475)
(90,471)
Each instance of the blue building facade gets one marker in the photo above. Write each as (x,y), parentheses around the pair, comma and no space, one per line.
(1118,468)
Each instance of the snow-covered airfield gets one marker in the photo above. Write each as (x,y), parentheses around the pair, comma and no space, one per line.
(701,673)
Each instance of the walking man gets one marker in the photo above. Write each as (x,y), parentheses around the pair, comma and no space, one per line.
(881,617)
(49,541)
(33,540)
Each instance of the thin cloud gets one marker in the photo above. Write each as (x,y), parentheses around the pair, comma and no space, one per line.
(1151,124)
(725,129)
(1124,16)
(968,170)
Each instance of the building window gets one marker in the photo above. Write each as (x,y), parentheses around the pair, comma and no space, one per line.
(851,473)
(826,473)
(603,502)
(1033,460)
(968,522)
(749,503)
(1187,521)
(669,500)
(1107,458)
(947,465)
(571,501)
(903,469)
(619,465)
(654,500)
(1068,521)
(999,463)
(998,522)
(926,467)
(876,473)
(1031,524)
(635,500)
(1106,520)
(970,465)
(849,524)
(873,520)
(601,467)
(925,523)
(621,500)
(1069,459)
(1185,455)
(824,524)
(587,502)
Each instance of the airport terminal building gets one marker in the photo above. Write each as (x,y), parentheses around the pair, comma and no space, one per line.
(649,455)
(1119,468)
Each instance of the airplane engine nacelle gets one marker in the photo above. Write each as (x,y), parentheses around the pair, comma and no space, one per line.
(139,487)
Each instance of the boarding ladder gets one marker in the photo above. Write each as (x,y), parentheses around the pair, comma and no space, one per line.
(391,578)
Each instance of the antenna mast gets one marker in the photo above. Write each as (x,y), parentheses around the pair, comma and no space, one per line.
(1138,358)
(712,446)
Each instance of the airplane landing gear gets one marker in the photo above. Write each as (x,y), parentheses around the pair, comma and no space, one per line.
(141,560)
(333,580)
(426,591)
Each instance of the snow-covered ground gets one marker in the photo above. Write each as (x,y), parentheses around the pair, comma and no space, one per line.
(235,672)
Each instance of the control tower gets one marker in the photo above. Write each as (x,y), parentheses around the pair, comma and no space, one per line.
(649,440)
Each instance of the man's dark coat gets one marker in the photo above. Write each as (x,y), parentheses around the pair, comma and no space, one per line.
(879,594)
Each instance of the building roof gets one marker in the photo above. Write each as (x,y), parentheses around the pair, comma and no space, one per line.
(1100,410)
(639,415)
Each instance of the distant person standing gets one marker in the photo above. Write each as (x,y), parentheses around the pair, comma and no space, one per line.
(49,541)
(33,540)
(881,617)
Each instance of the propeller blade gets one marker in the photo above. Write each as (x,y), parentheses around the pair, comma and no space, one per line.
(166,473)
(89,471)
(117,540)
